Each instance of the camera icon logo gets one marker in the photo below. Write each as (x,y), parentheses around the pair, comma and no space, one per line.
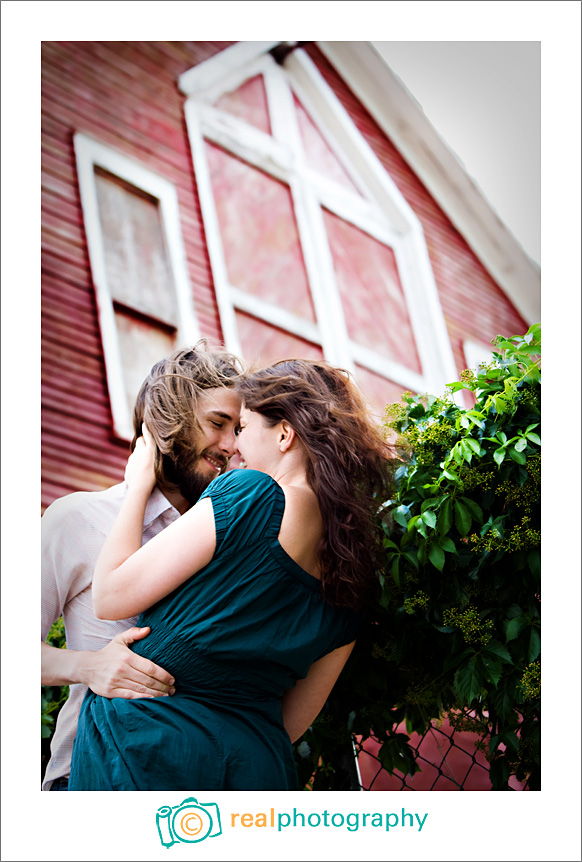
(191,821)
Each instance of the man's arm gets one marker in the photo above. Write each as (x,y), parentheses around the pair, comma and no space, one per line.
(70,545)
(114,671)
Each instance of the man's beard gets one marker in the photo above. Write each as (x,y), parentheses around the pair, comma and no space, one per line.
(186,477)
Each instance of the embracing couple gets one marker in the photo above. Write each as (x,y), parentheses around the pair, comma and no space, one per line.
(208,611)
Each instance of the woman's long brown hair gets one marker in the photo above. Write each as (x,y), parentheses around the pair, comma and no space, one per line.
(349,466)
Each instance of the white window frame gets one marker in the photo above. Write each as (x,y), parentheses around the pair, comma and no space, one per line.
(381,210)
(89,154)
(477,353)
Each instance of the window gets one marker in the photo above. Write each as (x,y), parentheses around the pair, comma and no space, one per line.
(138,266)
(313,249)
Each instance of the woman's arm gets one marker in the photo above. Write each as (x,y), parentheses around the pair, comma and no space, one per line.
(129,578)
(303,703)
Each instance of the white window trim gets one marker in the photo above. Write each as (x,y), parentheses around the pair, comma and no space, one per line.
(477,353)
(383,213)
(90,153)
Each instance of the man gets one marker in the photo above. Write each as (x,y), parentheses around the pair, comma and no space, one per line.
(192,410)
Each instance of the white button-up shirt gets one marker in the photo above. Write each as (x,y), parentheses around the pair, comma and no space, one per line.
(73,530)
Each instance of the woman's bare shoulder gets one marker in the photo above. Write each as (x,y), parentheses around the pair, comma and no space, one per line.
(301,527)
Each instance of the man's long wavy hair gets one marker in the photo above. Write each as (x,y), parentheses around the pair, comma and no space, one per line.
(167,402)
(349,466)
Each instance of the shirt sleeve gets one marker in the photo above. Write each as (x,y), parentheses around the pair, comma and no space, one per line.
(68,544)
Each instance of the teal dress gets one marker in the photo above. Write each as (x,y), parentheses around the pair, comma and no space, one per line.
(234,636)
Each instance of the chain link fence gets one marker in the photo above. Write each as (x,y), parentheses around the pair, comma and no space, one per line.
(450,757)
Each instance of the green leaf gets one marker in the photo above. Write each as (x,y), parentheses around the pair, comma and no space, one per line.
(476,418)
(400,515)
(493,670)
(421,528)
(511,740)
(447,544)
(503,699)
(468,681)
(458,453)
(412,523)
(462,518)
(395,571)
(499,456)
(534,438)
(535,562)
(445,519)
(474,509)
(501,403)
(521,444)
(515,628)
(429,519)
(498,650)
(412,557)
(532,374)
(499,773)
(437,557)
(388,544)
(430,502)
(534,645)
(517,456)
(475,446)
(452,477)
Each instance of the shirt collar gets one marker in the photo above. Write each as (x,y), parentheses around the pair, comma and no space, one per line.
(157,505)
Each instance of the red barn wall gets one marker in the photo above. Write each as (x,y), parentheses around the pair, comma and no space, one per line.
(126,95)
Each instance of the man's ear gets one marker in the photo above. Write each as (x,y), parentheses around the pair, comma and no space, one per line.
(286,436)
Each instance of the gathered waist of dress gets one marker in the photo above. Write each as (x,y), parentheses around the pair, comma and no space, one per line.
(225,678)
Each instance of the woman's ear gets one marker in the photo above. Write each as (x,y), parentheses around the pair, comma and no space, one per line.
(286,436)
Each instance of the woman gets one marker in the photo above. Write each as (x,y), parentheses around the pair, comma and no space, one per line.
(252,594)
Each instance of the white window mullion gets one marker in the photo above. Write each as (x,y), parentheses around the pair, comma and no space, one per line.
(188,330)
(250,144)
(275,315)
(212,231)
(319,264)
(352,208)
(426,316)
(388,368)
(333,116)
(282,113)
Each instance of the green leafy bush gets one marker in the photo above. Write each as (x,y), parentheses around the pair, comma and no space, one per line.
(52,697)
(457,627)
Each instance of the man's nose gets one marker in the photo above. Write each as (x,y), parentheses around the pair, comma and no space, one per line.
(228,442)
